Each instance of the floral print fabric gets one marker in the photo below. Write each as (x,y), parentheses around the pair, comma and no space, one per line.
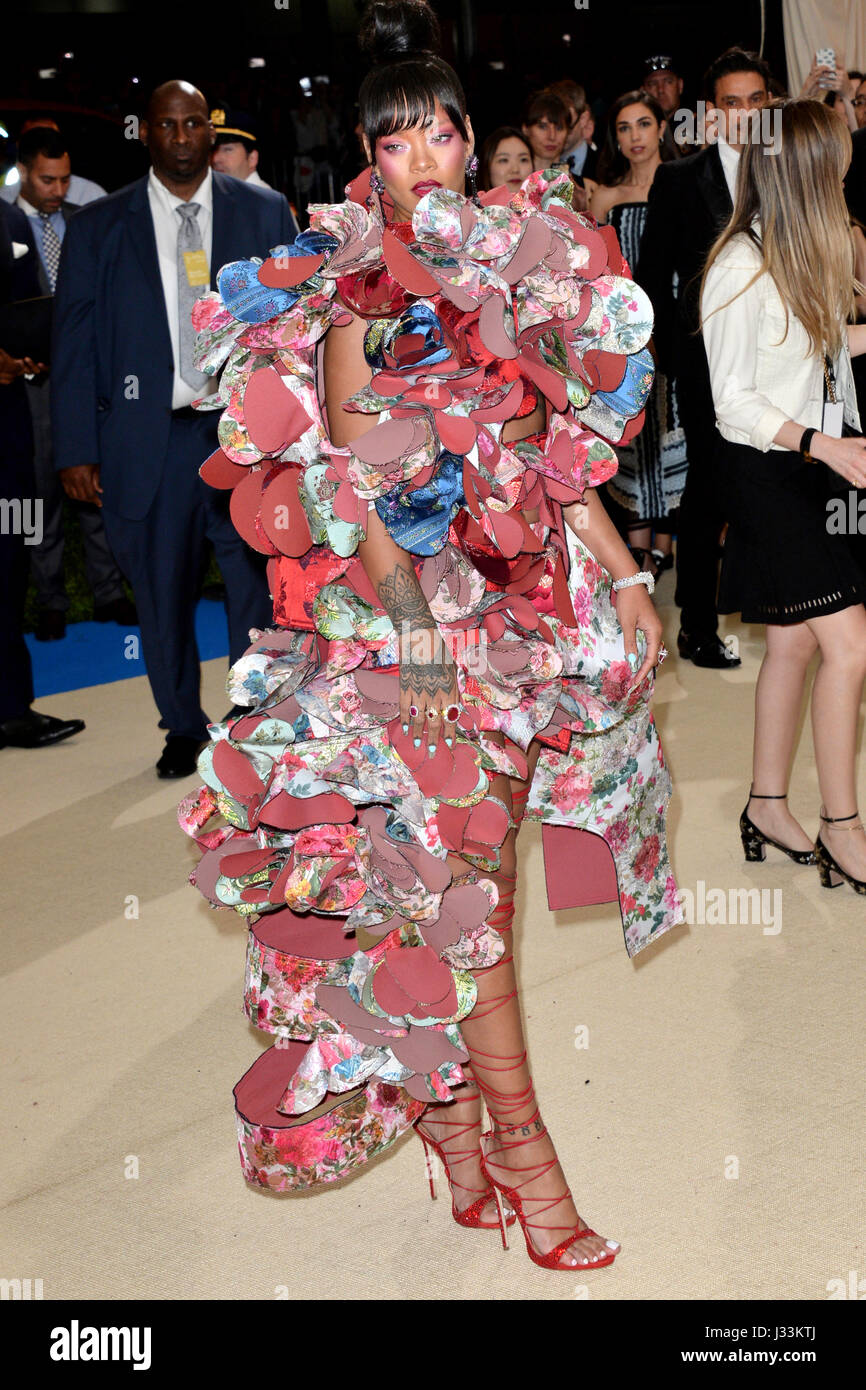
(318,821)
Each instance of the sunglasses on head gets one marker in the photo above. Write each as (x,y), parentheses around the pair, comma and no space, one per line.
(660,63)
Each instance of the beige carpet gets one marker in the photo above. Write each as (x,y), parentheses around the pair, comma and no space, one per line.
(713,1125)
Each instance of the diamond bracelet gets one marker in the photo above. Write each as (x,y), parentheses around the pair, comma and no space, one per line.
(643,578)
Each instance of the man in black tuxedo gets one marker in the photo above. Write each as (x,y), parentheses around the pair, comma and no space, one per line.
(123,381)
(855,179)
(20,726)
(689,203)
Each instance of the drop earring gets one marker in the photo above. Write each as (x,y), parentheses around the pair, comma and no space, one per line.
(377,188)
(471,174)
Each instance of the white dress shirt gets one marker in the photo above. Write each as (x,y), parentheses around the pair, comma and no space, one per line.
(166,224)
(255,177)
(760,380)
(730,165)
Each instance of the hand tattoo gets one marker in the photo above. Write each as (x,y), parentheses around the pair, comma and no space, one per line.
(429,679)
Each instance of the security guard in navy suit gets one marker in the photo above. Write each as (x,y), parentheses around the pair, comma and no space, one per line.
(44,165)
(20,726)
(123,382)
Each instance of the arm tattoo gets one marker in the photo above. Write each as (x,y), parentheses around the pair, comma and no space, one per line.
(426,668)
(401,597)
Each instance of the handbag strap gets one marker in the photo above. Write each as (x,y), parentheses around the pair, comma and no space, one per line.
(829,380)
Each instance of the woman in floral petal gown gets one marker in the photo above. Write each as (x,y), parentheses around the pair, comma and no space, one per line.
(419,399)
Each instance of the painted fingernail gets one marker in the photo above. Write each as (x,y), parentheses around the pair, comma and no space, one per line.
(405,728)
(450,742)
(431,748)
(417,742)
(631,658)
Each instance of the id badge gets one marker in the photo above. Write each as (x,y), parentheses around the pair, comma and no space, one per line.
(833,419)
(197,269)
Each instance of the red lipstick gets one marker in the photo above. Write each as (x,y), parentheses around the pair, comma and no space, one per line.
(421,188)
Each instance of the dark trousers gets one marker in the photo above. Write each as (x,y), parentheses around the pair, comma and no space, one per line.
(162,557)
(46,559)
(701,513)
(16,671)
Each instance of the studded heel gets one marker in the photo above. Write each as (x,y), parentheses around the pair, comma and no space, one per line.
(831,873)
(755,841)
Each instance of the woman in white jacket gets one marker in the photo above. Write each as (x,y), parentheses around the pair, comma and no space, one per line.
(778,290)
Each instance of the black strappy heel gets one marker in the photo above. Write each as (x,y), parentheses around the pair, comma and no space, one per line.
(832,874)
(755,841)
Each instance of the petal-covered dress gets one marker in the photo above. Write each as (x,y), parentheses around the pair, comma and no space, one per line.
(319,821)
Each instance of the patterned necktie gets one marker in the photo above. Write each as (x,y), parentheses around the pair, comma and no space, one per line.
(188,240)
(50,249)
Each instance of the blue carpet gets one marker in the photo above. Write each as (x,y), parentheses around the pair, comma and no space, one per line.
(97,653)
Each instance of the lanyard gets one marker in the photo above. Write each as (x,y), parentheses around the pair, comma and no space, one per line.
(830,380)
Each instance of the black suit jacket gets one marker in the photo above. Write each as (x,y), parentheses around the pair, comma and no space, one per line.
(855,179)
(19,279)
(112,370)
(688,206)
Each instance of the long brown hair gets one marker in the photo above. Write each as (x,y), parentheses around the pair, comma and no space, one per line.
(794,188)
(612,163)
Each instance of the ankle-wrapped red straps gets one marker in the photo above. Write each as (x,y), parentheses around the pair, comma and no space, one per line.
(502,915)
(519,798)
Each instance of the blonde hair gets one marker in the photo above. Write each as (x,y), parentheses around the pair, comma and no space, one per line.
(795,189)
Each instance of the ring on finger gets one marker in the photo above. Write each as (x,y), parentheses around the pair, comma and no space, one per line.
(413,711)
(453,712)
(432,713)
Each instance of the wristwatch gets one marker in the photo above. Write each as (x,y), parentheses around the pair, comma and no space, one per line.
(643,578)
(805,442)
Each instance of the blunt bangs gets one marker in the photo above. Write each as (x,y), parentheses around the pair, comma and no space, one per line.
(403,95)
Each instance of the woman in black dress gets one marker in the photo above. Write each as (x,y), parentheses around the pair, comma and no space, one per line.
(651,476)
(777,295)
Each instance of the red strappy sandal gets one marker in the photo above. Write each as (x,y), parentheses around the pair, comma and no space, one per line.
(542,1204)
(506,1105)
(471,1215)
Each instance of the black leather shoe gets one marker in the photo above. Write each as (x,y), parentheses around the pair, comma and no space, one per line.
(119,610)
(179,756)
(50,626)
(707,651)
(34,730)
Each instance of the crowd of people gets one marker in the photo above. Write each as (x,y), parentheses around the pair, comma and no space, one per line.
(664,485)
(525,488)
